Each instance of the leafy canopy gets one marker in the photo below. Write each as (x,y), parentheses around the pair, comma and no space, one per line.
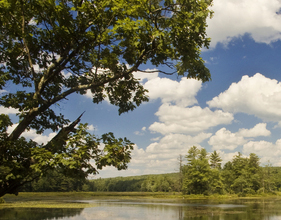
(50,49)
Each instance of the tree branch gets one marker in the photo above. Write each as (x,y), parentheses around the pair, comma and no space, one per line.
(155,71)
(25,44)
(59,140)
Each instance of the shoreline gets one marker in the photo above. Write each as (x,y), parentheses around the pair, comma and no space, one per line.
(60,196)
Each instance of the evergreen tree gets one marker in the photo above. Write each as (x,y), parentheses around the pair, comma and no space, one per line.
(254,170)
(215,160)
(216,181)
(228,176)
(242,175)
(197,172)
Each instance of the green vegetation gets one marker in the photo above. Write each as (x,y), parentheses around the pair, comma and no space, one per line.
(57,182)
(145,183)
(56,205)
(201,176)
(51,49)
(242,176)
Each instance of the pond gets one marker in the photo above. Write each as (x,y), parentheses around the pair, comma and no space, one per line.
(105,209)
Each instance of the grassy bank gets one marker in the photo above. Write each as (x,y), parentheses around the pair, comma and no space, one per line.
(38,196)
(69,199)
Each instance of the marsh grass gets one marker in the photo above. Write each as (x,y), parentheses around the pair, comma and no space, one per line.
(39,196)
(46,204)
(69,199)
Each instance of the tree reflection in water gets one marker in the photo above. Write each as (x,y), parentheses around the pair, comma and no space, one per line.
(38,213)
(246,209)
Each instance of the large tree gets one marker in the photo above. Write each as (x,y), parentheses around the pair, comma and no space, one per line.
(50,49)
(197,172)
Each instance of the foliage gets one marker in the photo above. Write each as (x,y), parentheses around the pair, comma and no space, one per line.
(53,182)
(199,178)
(144,183)
(217,186)
(51,49)
(243,174)
(270,179)
(215,160)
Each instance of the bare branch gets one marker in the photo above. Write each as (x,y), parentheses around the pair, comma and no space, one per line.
(156,71)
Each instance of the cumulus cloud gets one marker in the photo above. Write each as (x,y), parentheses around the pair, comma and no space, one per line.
(258,130)
(225,139)
(256,95)
(267,151)
(177,119)
(172,145)
(234,18)
(158,157)
(181,92)
(169,91)
(8,111)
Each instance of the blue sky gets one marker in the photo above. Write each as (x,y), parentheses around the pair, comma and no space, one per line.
(238,111)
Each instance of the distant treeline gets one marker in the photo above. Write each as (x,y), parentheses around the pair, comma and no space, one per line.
(146,183)
(202,174)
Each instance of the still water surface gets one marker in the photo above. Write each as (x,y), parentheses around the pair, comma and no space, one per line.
(267,209)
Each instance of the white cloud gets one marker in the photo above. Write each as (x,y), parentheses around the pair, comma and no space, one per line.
(256,95)
(8,111)
(144,76)
(234,18)
(31,134)
(91,128)
(169,91)
(267,151)
(158,157)
(176,119)
(172,145)
(224,139)
(258,130)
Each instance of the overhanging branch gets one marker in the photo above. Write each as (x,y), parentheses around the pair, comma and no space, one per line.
(59,140)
